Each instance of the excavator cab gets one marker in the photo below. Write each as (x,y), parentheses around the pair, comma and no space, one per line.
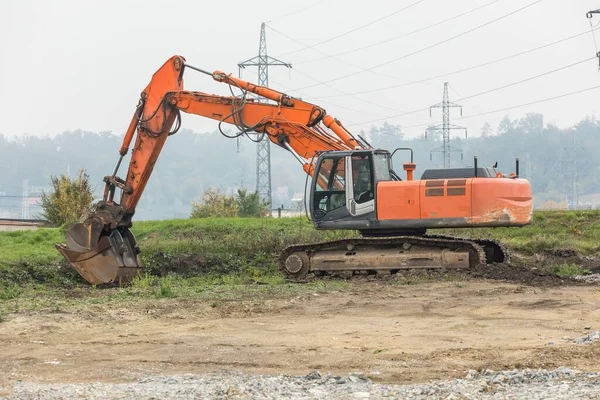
(344,185)
(360,190)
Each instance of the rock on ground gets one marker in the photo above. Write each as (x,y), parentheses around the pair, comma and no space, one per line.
(561,383)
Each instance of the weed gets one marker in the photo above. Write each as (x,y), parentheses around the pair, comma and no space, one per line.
(143,282)
(9,291)
(165,288)
(566,270)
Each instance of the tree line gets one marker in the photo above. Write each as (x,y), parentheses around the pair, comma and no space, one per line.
(555,160)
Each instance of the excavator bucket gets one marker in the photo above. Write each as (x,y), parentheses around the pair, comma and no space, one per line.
(101,258)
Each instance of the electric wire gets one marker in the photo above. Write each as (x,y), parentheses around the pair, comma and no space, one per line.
(298,11)
(516,106)
(484,92)
(461,70)
(426,48)
(528,79)
(344,93)
(339,90)
(334,56)
(303,96)
(355,29)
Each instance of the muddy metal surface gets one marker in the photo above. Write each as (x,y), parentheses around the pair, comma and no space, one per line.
(390,333)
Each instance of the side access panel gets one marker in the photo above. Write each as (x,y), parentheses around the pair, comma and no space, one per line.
(449,198)
(398,200)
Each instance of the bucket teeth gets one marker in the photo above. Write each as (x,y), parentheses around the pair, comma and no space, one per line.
(101,259)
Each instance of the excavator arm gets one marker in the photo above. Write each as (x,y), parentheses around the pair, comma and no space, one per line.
(102,248)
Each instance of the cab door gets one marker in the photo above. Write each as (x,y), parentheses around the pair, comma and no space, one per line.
(360,184)
(328,196)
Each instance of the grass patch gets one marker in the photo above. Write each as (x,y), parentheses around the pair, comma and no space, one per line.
(549,232)
(567,270)
(225,250)
(9,291)
(165,288)
(45,299)
(221,252)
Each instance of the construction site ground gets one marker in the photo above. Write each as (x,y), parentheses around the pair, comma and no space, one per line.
(406,332)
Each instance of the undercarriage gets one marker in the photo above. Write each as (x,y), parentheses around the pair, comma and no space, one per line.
(388,255)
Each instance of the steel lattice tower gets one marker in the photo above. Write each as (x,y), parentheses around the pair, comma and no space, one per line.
(446,127)
(263,149)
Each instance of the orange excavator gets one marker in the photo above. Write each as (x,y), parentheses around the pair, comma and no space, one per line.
(353,187)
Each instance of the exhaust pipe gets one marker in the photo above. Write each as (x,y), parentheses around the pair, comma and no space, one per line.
(100,254)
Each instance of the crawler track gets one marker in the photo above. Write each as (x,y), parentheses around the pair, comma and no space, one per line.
(388,255)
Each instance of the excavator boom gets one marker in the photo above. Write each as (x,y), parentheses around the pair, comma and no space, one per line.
(102,248)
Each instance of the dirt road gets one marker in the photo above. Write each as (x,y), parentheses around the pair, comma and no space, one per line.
(388,332)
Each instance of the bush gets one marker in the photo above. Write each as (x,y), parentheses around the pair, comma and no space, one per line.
(69,199)
(214,204)
(250,204)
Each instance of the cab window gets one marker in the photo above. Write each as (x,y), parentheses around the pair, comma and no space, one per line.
(331,185)
(362,177)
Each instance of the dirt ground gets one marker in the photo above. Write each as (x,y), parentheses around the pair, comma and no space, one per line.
(392,333)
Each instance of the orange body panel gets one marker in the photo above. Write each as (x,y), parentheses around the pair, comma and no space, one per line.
(501,199)
(398,200)
(464,202)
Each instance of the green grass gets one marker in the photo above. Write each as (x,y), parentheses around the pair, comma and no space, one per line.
(243,251)
(566,270)
(9,291)
(228,251)
(45,298)
(36,246)
(550,231)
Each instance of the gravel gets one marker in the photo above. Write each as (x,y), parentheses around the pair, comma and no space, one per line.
(589,339)
(561,383)
(590,278)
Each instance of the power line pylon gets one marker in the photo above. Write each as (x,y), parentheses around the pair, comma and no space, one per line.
(263,150)
(445,127)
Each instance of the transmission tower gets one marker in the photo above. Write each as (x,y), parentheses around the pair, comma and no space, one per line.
(263,150)
(445,127)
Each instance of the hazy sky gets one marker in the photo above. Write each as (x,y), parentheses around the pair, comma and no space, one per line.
(69,64)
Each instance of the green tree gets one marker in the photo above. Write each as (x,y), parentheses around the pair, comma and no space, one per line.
(505,126)
(250,204)
(69,200)
(388,136)
(214,204)
(486,130)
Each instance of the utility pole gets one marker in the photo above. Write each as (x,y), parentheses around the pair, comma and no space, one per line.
(570,175)
(446,127)
(263,149)
(590,15)
(25,200)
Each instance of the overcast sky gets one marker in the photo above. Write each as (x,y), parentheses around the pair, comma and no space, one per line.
(72,64)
